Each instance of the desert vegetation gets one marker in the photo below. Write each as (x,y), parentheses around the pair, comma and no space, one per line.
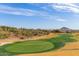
(22,33)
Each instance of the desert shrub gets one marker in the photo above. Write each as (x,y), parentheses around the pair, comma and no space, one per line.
(3,36)
(22,37)
(56,31)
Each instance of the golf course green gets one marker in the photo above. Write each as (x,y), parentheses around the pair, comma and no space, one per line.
(29,47)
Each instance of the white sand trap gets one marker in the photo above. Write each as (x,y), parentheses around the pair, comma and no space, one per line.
(3,43)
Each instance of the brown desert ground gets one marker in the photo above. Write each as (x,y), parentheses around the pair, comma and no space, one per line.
(12,40)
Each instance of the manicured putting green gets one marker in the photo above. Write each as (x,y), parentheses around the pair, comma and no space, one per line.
(29,47)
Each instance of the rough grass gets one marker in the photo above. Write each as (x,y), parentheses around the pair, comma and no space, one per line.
(63,38)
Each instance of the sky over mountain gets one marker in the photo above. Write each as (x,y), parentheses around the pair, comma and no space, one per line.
(40,15)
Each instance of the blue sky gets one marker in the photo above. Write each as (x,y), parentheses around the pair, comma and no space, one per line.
(40,15)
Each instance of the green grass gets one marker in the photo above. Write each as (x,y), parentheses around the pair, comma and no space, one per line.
(62,38)
(29,47)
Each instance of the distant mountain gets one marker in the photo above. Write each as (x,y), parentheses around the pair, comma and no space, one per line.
(65,29)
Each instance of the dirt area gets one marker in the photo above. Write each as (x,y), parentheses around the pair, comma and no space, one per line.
(45,36)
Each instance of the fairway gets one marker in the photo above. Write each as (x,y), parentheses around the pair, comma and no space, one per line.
(29,47)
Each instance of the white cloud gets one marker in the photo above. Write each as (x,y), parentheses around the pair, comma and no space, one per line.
(21,11)
(66,7)
(55,18)
(61,20)
(15,11)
